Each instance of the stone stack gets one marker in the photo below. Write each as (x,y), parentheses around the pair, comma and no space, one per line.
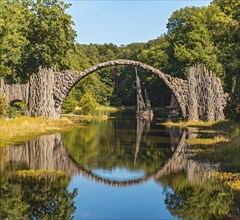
(41,100)
(206,99)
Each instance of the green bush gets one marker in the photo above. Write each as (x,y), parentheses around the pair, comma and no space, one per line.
(88,104)
(69,104)
(18,108)
(13,112)
(4,106)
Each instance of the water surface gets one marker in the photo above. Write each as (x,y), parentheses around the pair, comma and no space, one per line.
(122,168)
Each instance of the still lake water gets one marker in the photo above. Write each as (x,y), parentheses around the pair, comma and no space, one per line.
(122,168)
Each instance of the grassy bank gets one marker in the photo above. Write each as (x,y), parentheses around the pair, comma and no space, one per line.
(100,113)
(85,118)
(100,110)
(185,124)
(207,127)
(24,128)
(217,142)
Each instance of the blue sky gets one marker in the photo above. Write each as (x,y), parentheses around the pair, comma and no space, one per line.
(124,21)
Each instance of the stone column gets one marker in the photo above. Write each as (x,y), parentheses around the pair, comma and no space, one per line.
(192,96)
(41,98)
(206,100)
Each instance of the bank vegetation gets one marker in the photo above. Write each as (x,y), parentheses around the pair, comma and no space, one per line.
(21,129)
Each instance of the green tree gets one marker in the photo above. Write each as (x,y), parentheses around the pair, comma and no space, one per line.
(88,104)
(206,200)
(70,103)
(36,199)
(196,35)
(12,205)
(231,55)
(50,36)
(14,24)
(156,53)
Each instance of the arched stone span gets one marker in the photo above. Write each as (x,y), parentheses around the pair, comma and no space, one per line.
(201,97)
(64,82)
(12,102)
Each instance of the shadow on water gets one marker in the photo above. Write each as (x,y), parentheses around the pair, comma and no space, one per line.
(146,150)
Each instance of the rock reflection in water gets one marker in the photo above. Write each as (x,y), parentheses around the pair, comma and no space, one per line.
(48,153)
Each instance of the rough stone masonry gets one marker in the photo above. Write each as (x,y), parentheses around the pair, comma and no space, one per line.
(201,97)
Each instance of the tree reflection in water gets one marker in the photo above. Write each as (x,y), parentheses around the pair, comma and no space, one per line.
(105,146)
(36,199)
(207,200)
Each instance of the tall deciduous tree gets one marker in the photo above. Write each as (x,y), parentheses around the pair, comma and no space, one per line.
(50,36)
(196,36)
(231,55)
(14,24)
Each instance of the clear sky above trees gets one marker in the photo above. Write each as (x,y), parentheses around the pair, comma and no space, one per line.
(123,21)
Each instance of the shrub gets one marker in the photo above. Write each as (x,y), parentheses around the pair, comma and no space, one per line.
(17,109)
(4,106)
(13,112)
(69,104)
(88,104)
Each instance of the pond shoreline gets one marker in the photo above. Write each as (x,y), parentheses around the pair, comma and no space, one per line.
(22,129)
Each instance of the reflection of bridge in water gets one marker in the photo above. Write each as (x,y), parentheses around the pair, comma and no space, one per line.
(48,153)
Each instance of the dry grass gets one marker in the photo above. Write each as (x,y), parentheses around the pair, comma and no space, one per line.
(84,118)
(189,124)
(102,108)
(207,141)
(24,128)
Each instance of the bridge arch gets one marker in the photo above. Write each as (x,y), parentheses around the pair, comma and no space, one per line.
(201,97)
(66,81)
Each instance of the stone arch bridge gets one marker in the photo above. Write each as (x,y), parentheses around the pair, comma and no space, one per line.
(199,97)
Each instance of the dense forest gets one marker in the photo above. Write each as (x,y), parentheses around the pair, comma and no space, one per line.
(37,33)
